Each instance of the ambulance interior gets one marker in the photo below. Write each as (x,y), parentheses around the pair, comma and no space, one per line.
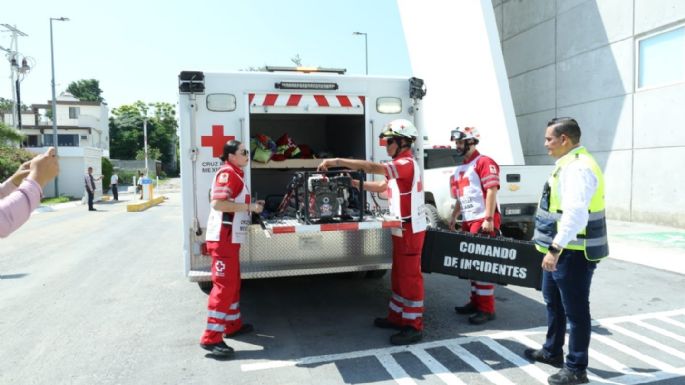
(326,135)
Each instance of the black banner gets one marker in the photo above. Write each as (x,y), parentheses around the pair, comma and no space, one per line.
(482,258)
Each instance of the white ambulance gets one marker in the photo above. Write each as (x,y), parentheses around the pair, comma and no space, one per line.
(333,115)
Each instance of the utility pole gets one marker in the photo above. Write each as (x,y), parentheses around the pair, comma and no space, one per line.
(12,55)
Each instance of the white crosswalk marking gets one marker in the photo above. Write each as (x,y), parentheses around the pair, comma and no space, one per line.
(437,368)
(671,321)
(395,370)
(479,365)
(661,331)
(603,352)
(515,359)
(647,341)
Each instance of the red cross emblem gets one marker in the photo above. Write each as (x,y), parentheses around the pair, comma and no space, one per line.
(461,183)
(217,140)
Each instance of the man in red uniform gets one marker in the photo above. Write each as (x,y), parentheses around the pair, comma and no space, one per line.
(405,194)
(227,224)
(475,184)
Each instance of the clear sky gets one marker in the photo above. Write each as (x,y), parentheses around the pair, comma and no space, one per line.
(137,48)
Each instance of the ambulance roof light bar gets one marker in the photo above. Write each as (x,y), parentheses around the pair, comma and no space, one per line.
(340,71)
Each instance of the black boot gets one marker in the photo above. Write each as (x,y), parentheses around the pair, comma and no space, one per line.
(384,323)
(567,377)
(246,328)
(407,336)
(541,356)
(219,350)
(481,317)
(469,308)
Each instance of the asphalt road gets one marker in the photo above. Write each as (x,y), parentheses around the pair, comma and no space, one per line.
(100,298)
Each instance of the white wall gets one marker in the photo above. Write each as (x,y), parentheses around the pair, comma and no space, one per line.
(73,165)
(577,58)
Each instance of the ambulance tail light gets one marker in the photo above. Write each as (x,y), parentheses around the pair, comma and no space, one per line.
(389,105)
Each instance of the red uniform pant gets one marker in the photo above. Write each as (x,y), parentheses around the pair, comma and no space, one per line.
(224,299)
(406,304)
(482,293)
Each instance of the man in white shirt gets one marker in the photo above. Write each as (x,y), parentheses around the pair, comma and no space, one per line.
(570,230)
(114,184)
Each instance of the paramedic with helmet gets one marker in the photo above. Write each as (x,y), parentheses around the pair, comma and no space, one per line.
(229,216)
(405,194)
(475,184)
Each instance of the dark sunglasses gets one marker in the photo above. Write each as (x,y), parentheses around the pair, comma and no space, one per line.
(390,141)
(243,152)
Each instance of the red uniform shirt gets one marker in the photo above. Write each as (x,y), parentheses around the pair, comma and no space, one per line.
(402,169)
(227,185)
(486,168)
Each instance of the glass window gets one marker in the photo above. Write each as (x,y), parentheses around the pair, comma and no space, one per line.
(661,58)
(74,112)
(221,102)
(440,157)
(389,105)
(65,140)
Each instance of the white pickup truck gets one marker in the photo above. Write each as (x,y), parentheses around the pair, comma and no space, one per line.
(520,188)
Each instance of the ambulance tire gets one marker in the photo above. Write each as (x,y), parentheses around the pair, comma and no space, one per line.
(432,218)
(376,274)
(205,286)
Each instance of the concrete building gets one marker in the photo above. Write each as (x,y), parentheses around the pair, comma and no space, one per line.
(82,138)
(618,67)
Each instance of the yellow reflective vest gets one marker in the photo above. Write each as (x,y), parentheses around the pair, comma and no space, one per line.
(593,238)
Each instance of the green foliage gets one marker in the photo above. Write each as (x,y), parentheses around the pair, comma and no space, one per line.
(9,135)
(87,90)
(126,131)
(55,200)
(7,108)
(107,169)
(152,153)
(10,160)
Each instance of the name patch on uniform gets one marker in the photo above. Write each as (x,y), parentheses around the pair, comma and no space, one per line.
(223,177)
(493,169)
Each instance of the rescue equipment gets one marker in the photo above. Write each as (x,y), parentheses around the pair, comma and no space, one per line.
(482,258)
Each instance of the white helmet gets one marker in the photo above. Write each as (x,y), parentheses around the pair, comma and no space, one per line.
(464,133)
(400,127)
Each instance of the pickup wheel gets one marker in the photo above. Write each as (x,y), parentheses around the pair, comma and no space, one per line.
(206,286)
(432,218)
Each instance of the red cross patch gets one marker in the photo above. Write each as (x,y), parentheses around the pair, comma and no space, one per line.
(461,183)
(217,140)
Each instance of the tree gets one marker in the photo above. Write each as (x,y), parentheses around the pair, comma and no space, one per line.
(9,135)
(87,90)
(152,153)
(126,132)
(6,106)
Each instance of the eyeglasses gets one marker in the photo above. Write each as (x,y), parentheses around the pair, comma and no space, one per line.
(243,152)
(390,141)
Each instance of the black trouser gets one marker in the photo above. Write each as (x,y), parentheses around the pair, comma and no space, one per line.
(115,192)
(91,195)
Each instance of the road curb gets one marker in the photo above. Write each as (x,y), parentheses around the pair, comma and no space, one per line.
(142,206)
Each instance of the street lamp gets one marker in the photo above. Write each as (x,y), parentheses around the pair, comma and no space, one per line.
(366,49)
(54,100)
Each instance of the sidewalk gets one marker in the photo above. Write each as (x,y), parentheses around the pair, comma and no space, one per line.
(656,246)
(123,197)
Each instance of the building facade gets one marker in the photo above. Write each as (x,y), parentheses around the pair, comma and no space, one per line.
(618,67)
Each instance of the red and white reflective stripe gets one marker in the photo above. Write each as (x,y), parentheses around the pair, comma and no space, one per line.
(345,226)
(296,100)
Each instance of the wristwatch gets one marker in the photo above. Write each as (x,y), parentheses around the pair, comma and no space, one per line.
(554,250)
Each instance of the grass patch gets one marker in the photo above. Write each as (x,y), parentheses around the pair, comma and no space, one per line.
(53,201)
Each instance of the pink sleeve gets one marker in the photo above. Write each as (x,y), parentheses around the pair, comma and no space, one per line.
(6,188)
(16,208)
